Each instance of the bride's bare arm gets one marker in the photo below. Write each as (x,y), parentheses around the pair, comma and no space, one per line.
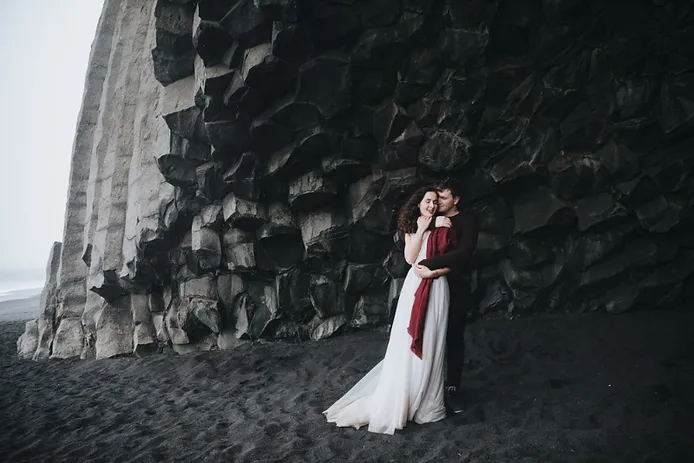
(413,241)
(413,244)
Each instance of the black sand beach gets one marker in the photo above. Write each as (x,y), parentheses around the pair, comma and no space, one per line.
(584,388)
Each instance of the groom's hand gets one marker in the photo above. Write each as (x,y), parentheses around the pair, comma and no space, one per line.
(423,272)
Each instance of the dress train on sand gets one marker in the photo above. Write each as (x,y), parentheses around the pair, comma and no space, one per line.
(402,387)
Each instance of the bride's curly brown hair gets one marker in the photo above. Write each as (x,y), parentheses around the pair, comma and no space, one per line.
(409,212)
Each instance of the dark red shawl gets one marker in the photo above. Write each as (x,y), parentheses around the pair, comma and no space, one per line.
(440,240)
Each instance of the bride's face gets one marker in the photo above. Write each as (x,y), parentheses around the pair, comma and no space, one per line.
(428,204)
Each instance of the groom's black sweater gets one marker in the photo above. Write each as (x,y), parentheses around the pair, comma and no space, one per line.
(458,259)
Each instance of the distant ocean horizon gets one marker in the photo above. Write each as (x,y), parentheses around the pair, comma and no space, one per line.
(20,283)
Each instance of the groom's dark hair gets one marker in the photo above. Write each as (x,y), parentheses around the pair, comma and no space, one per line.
(448,184)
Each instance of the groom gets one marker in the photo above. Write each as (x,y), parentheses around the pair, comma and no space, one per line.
(459,260)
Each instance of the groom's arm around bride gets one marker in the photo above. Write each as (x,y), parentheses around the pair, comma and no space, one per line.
(459,259)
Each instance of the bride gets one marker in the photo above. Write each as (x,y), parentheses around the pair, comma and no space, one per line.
(407,385)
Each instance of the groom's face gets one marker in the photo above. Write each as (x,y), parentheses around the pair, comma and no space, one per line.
(447,201)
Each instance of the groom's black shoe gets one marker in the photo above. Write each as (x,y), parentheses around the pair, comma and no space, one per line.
(453,400)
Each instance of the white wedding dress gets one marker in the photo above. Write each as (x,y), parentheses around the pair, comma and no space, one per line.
(402,387)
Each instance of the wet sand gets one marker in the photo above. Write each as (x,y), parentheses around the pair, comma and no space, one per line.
(20,309)
(595,388)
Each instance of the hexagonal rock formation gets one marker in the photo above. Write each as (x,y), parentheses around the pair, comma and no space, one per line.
(237,164)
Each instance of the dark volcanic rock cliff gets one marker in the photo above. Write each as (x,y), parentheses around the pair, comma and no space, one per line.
(238,163)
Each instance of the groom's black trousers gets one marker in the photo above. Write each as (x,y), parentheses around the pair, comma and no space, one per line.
(461,299)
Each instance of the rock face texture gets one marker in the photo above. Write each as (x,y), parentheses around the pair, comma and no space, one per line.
(237,164)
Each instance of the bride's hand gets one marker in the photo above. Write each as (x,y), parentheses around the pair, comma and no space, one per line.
(442,221)
(423,223)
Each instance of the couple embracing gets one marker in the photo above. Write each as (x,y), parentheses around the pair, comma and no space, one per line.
(408,384)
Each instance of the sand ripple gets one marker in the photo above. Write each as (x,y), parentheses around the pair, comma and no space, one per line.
(588,388)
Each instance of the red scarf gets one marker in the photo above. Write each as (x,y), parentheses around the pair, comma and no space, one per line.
(439,241)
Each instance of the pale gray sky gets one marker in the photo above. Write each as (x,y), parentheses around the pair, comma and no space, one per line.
(44,50)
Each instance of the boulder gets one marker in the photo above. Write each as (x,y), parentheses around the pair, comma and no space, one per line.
(47,306)
(598,209)
(239,250)
(635,254)
(395,264)
(114,330)
(459,46)
(360,277)
(177,170)
(247,24)
(210,39)
(243,310)
(207,312)
(390,121)
(242,214)
(243,178)
(495,298)
(323,328)
(268,136)
(366,207)
(293,114)
(29,340)
(210,184)
(174,55)
(292,42)
(194,150)
(326,296)
(280,222)
(144,334)
(185,123)
(322,231)
(577,174)
(526,253)
(206,246)
(403,150)
(676,114)
(535,210)
(365,246)
(229,138)
(279,240)
(310,192)
(304,156)
(294,294)
(325,82)
(267,308)
(343,171)
(228,288)
(204,286)
(372,309)
(621,163)
(69,339)
(445,152)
